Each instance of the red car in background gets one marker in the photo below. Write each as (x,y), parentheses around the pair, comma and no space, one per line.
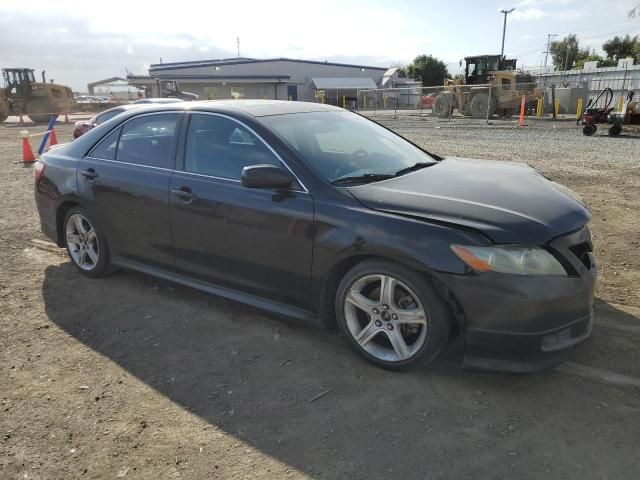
(428,100)
(83,126)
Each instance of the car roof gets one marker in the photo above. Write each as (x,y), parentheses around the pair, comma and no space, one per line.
(158,100)
(255,108)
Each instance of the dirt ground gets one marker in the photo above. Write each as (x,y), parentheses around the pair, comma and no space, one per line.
(132,377)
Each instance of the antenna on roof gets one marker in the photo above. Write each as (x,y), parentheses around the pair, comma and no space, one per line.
(238,44)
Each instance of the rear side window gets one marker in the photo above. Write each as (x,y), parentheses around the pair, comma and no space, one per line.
(103,117)
(220,147)
(106,149)
(148,140)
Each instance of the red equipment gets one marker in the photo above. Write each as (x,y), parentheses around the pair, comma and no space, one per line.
(595,115)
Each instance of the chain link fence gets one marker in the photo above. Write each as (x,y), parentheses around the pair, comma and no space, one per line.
(452,103)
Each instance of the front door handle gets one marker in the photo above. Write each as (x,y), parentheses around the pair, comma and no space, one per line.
(89,174)
(184,193)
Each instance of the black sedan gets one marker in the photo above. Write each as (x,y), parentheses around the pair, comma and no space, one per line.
(317,213)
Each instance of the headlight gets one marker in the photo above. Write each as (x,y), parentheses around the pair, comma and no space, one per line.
(509,259)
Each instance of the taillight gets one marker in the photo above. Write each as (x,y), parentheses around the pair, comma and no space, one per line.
(38,171)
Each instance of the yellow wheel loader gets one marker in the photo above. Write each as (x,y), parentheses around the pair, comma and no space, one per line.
(39,100)
(491,85)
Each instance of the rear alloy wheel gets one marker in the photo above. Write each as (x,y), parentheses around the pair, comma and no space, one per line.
(391,315)
(85,244)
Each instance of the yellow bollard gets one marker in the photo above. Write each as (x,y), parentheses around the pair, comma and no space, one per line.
(579,109)
(290,97)
(384,101)
(365,102)
(556,106)
(344,101)
(619,105)
(539,108)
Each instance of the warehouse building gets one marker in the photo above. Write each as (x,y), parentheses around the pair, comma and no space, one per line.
(274,78)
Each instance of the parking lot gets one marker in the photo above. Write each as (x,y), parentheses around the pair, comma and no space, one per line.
(132,377)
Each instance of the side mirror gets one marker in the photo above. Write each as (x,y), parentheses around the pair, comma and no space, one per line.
(265,176)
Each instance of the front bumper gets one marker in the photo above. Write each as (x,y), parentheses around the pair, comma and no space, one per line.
(528,323)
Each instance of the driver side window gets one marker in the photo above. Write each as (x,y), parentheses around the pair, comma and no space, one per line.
(220,147)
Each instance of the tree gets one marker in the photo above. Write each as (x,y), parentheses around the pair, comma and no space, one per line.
(429,69)
(619,47)
(566,52)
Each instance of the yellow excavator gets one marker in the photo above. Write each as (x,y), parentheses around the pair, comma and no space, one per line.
(38,100)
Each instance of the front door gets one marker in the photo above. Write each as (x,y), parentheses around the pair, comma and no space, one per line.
(292,92)
(255,240)
(125,184)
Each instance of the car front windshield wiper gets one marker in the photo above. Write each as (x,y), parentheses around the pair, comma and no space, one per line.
(414,167)
(367,177)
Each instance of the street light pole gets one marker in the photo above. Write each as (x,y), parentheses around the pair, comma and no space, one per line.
(504,26)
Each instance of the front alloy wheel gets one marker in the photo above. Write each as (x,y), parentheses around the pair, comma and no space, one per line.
(386,319)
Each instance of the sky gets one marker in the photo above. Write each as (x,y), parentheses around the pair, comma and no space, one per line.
(80,42)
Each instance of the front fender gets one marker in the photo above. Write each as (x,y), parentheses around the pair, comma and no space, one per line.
(347,233)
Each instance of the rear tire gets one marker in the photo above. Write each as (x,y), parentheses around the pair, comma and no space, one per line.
(86,244)
(41,111)
(391,315)
(615,130)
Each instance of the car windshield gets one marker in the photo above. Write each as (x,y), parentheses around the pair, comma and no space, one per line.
(341,145)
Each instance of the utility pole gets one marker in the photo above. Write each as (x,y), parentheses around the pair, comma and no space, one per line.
(504,26)
(546,52)
(544,74)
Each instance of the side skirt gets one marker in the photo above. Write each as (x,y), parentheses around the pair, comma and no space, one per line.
(248,299)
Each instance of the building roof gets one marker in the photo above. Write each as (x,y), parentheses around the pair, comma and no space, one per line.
(244,60)
(342,82)
(106,80)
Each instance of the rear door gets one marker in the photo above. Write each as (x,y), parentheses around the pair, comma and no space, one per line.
(125,183)
(255,240)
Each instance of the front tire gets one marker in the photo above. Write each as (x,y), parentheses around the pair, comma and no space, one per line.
(480,103)
(442,106)
(85,243)
(589,129)
(391,315)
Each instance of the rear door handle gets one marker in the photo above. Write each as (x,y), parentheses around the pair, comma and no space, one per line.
(184,194)
(89,174)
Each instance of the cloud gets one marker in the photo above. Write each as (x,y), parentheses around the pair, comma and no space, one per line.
(74,55)
(528,14)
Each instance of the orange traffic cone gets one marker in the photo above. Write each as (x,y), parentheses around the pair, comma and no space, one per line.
(53,140)
(21,120)
(523,106)
(27,153)
(66,119)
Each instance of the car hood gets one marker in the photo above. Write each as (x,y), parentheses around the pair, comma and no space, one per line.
(508,202)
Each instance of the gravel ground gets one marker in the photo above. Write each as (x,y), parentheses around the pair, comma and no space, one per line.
(131,377)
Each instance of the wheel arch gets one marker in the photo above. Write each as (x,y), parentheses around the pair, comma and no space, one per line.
(332,281)
(66,205)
